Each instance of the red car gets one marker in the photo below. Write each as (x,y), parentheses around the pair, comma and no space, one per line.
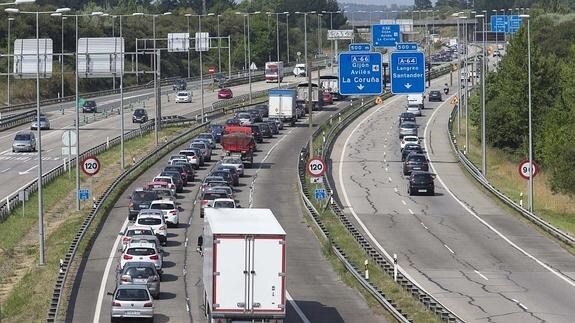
(225,93)
(327,98)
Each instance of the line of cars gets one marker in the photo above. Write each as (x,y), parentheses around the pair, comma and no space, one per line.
(415,164)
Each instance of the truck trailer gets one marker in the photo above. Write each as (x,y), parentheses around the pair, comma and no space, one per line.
(239,141)
(330,83)
(281,104)
(302,95)
(274,72)
(244,266)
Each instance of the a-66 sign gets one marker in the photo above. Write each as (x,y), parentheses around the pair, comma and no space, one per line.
(316,167)
(91,166)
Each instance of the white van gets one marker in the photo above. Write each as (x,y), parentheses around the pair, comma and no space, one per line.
(416,100)
(299,70)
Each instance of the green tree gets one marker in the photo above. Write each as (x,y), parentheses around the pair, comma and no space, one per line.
(422,4)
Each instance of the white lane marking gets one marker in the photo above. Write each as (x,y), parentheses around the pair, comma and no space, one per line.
(470,211)
(389,178)
(480,275)
(395,189)
(446,246)
(106,273)
(252,185)
(519,303)
(411,211)
(403,202)
(297,309)
(28,170)
(426,228)
(4,171)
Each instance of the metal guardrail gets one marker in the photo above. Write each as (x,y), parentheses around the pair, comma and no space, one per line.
(476,173)
(381,259)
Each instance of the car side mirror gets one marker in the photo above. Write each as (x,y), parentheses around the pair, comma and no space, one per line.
(180,208)
(120,233)
(110,293)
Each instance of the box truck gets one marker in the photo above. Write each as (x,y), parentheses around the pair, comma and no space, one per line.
(244,267)
(274,71)
(302,95)
(330,83)
(281,104)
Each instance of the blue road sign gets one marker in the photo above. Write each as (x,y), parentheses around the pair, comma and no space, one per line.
(406,46)
(360,73)
(385,35)
(84,194)
(320,194)
(514,23)
(500,23)
(407,72)
(359,47)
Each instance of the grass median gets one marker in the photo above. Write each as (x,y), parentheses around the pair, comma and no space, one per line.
(27,287)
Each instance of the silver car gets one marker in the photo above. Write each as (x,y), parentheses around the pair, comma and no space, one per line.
(407,129)
(204,148)
(141,273)
(24,141)
(44,123)
(132,300)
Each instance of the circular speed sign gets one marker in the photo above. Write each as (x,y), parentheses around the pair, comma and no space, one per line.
(91,166)
(524,169)
(316,167)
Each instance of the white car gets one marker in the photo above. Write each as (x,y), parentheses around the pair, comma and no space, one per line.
(133,232)
(209,137)
(244,117)
(170,210)
(224,203)
(155,220)
(180,156)
(234,161)
(409,140)
(184,97)
(415,109)
(141,252)
(191,156)
(169,180)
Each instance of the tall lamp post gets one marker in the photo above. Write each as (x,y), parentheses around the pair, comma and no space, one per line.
(287,37)
(249,63)
(483,60)
(308,71)
(333,50)
(188,24)
(10,19)
(531,167)
(41,261)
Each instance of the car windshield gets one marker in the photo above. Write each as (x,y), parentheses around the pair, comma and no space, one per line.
(231,161)
(173,169)
(139,272)
(90,103)
(409,125)
(22,137)
(213,196)
(224,204)
(132,295)
(149,221)
(182,93)
(162,206)
(139,112)
(138,196)
(139,232)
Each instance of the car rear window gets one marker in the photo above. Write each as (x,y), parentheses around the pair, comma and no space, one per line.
(139,272)
(417,158)
(408,125)
(213,196)
(141,251)
(422,178)
(198,145)
(139,196)
(224,204)
(139,232)
(162,206)
(132,295)
(149,221)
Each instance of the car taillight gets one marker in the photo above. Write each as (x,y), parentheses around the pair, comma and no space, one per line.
(204,202)
(131,205)
(126,239)
(173,212)
(126,279)
(154,257)
(127,257)
(149,304)
(116,304)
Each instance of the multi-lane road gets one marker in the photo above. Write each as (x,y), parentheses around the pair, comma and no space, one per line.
(461,246)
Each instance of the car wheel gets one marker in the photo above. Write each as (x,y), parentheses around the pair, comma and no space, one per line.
(432,192)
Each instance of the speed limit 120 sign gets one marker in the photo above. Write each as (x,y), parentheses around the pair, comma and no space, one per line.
(91,166)
(525,169)
(316,167)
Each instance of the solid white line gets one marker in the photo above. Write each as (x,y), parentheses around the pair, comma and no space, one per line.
(426,228)
(297,309)
(106,273)
(481,275)
(470,211)
(403,201)
(449,249)
(410,211)
(27,171)
(389,178)
(4,171)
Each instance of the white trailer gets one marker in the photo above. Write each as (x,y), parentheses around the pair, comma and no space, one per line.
(302,94)
(281,104)
(244,269)
(274,71)
(330,83)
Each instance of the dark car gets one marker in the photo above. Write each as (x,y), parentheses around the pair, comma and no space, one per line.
(415,162)
(225,174)
(263,109)
(217,131)
(220,78)
(188,167)
(256,115)
(435,96)
(421,182)
(185,172)
(140,199)
(233,171)
(410,148)
(140,116)
(273,126)
(406,116)
(256,133)
(177,178)
(90,106)
(265,129)
(225,93)
(233,122)
(179,85)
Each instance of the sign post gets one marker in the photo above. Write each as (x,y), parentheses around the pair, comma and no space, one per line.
(407,72)
(360,73)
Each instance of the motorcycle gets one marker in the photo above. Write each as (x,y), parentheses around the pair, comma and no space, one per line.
(446,91)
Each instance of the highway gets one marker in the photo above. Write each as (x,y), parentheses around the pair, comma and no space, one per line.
(315,291)
(471,254)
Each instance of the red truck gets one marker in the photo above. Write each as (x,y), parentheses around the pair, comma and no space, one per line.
(239,140)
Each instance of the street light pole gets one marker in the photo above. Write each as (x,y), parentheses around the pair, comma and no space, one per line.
(61,60)
(39,148)
(219,46)
(287,37)
(155,58)
(483,123)
(188,18)
(122,166)
(10,19)
(531,166)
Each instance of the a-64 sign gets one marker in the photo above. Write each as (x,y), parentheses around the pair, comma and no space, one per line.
(316,167)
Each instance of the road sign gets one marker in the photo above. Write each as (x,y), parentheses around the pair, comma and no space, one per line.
(333,34)
(360,73)
(69,138)
(385,35)
(406,46)
(320,194)
(407,72)
(499,23)
(524,169)
(91,166)
(454,100)
(84,194)
(514,23)
(316,167)
(359,47)
(316,180)
(211,70)
(378,100)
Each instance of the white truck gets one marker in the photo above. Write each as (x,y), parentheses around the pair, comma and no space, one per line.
(416,100)
(330,83)
(244,267)
(274,72)
(302,95)
(299,70)
(281,104)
